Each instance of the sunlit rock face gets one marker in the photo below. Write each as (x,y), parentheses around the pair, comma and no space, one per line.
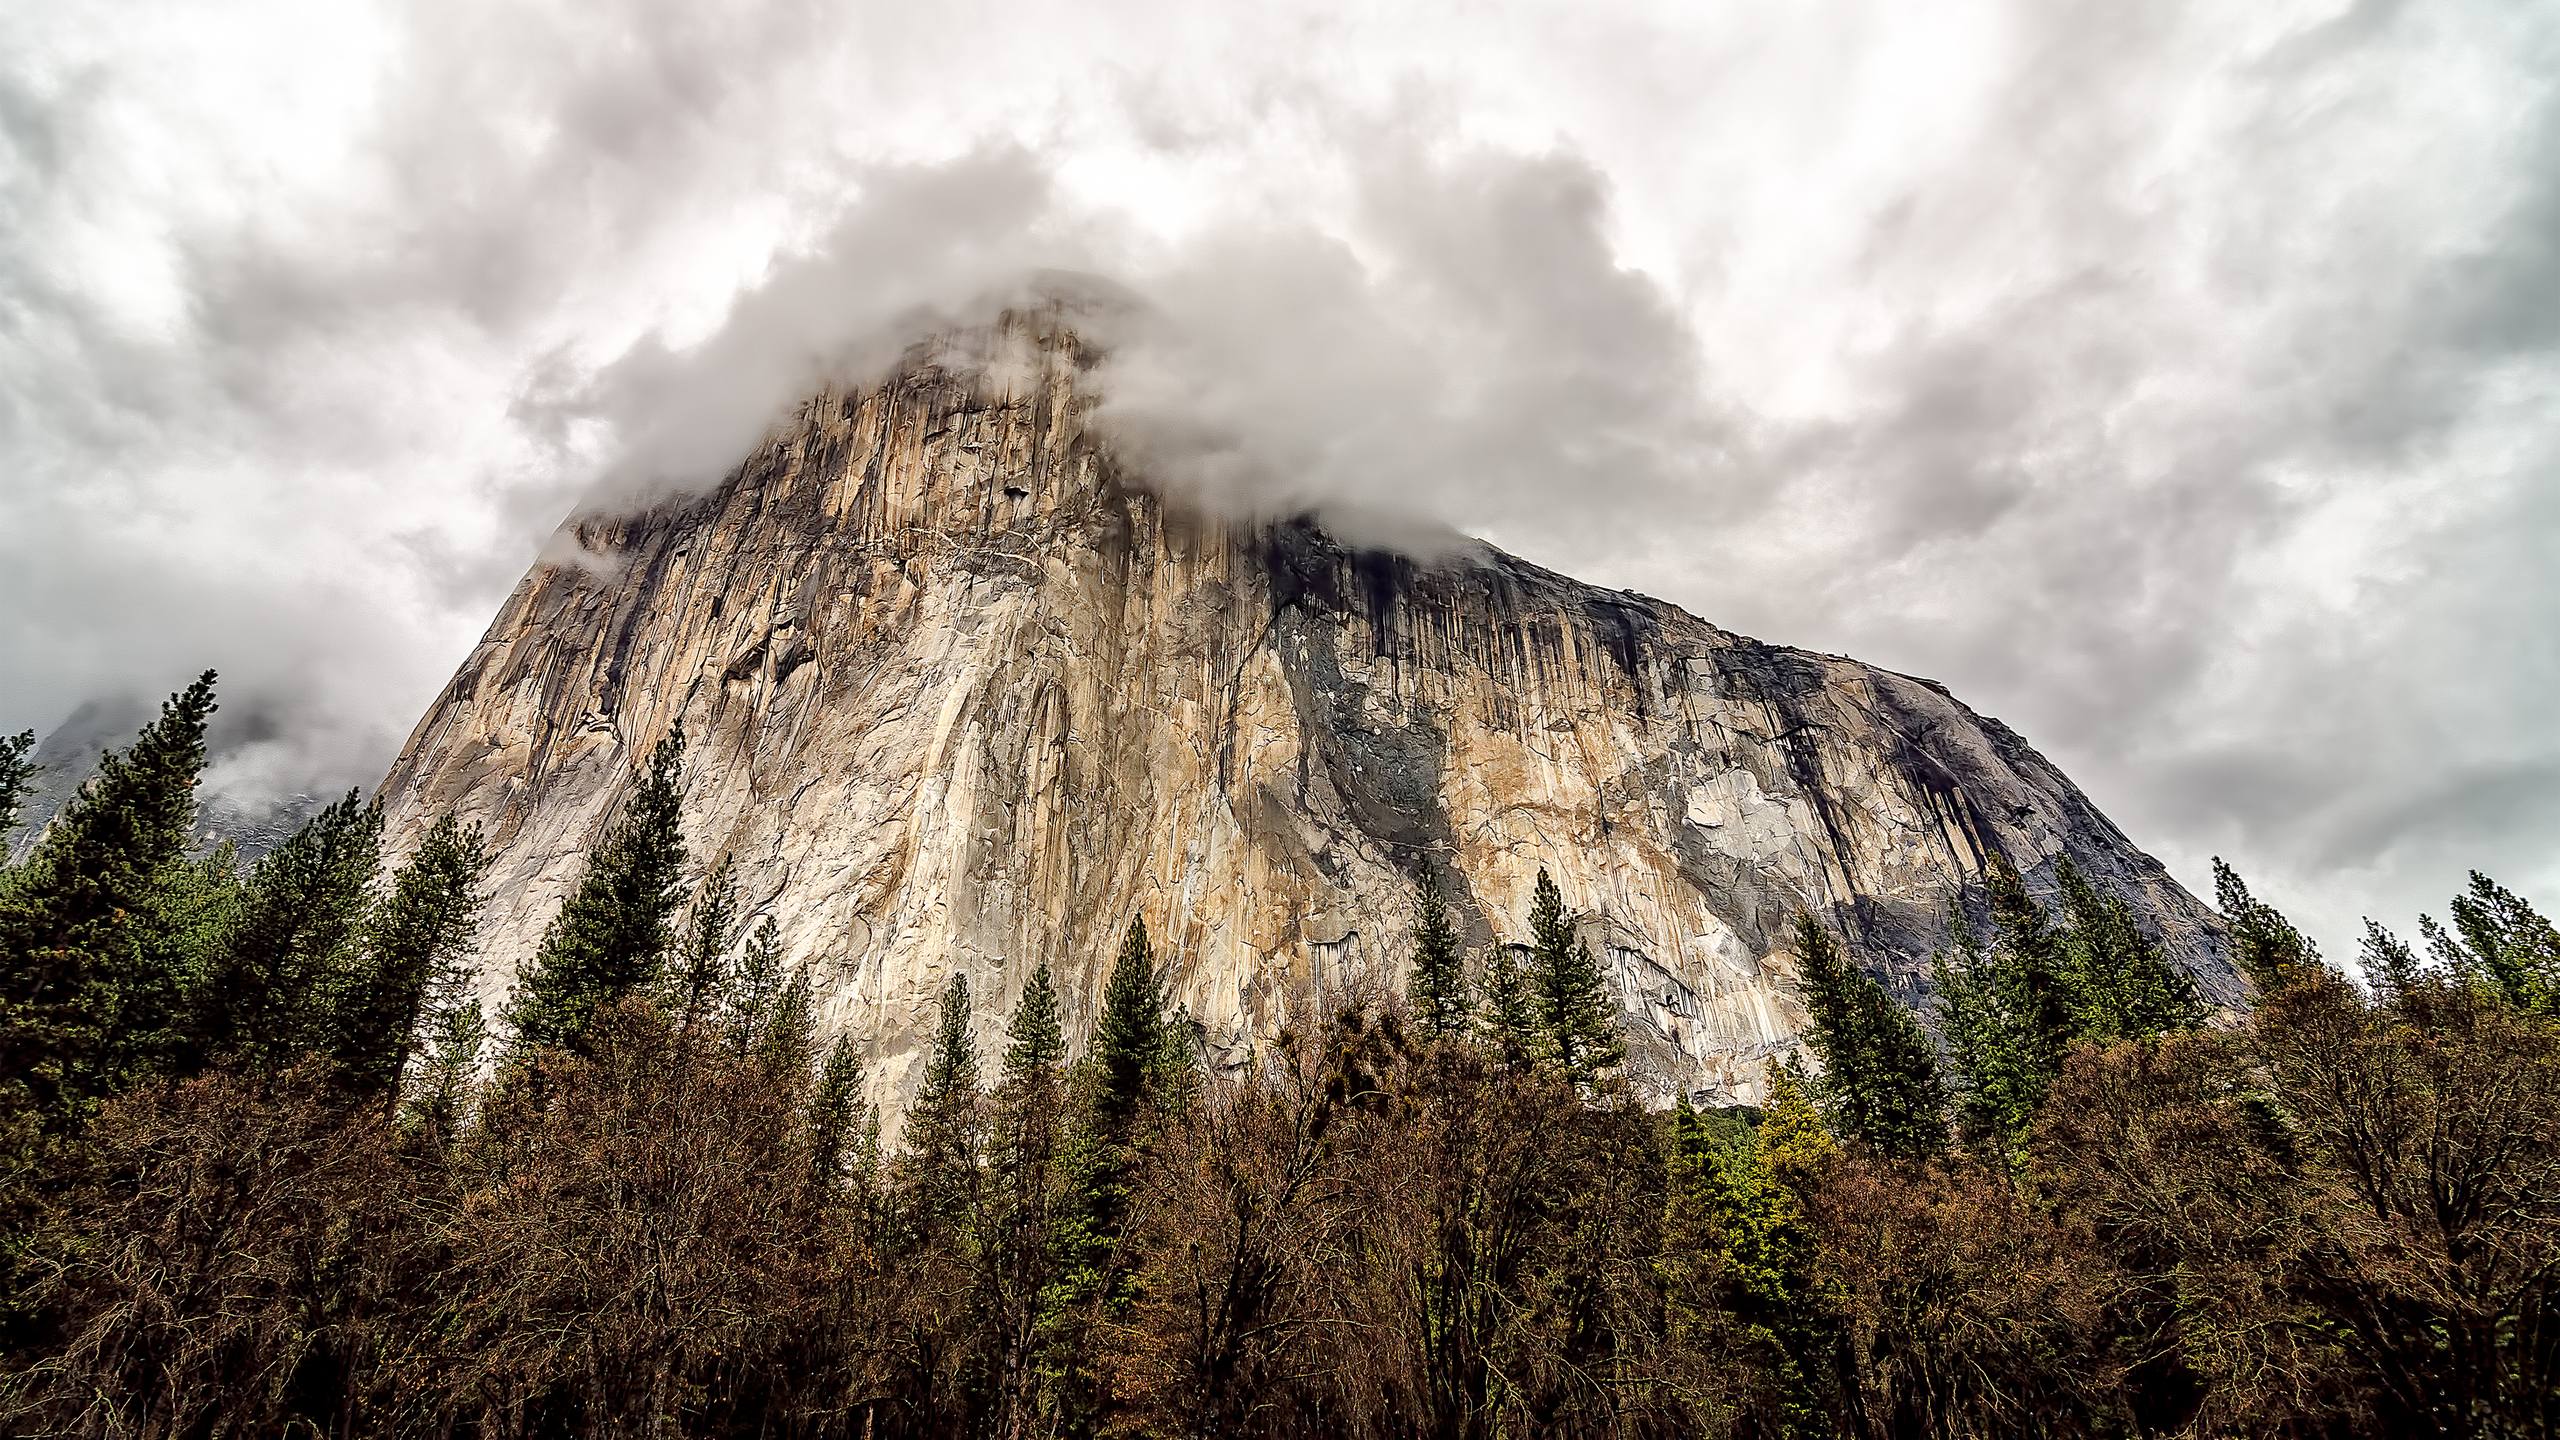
(963,697)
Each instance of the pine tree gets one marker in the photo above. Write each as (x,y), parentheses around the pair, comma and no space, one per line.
(437,1102)
(756,990)
(1694,1230)
(195,910)
(1989,1046)
(700,974)
(297,941)
(1020,1249)
(1122,1078)
(941,1159)
(1829,984)
(89,996)
(1036,1041)
(1577,1020)
(2446,954)
(1130,1042)
(416,960)
(1880,1074)
(2036,974)
(2264,945)
(790,1039)
(1438,989)
(1509,1016)
(2511,946)
(611,937)
(2126,987)
(1030,1097)
(1910,1105)
(17,774)
(833,1111)
(865,1181)
(1740,1202)
(2390,967)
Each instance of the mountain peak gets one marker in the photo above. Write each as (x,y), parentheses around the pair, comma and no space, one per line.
(965,696)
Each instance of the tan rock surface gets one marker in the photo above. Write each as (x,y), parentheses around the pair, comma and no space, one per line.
(963,698)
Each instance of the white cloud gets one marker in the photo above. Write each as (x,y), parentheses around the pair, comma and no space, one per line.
(2165,379)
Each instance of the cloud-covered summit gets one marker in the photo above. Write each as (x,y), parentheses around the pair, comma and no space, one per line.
(2170,381)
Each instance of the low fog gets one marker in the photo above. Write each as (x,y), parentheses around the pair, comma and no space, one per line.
(2171,382)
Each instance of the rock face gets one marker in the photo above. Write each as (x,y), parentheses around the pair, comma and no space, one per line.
(963,698)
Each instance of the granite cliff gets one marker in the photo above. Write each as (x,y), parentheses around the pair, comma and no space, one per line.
(963,696)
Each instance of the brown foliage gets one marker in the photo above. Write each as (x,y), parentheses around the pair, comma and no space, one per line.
(1374,1237)
(638,1252)
(1963,1310)
(2337,1219)
(2341,1219)
(232,1262)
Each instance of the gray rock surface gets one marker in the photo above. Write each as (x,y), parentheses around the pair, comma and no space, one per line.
(963,697)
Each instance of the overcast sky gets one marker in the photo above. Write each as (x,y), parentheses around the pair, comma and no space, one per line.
(2178,384)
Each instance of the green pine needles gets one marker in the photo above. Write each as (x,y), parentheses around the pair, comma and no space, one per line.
(1577,1016)
(1438,987)
(2264,945)
(2012,1009)
(92,966)
(1880,1083)
(612,937)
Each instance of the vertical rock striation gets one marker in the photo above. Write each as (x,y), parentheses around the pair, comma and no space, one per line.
(963,698)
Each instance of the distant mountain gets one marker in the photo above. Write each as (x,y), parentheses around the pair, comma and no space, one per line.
(963,696)
(69,755)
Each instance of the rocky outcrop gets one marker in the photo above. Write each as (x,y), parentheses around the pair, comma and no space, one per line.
(963,697)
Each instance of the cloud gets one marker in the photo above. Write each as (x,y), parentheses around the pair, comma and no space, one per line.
(919,249)
(2169,381)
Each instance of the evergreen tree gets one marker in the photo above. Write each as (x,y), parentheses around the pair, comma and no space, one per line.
(417,959)
(1690,1229)
(2509,944)
(2445,953)
(1989,1046)
(1123,1074)
(2011,1013)
(701,971)
(1791,1137)
(2264,945)
(941,1160)
(1829,985)
(2037,976)
(2390,967)
(296,943)
(1910,1105)
(611,937)
(17,774)
(865,1179)
(1130,1043)
(1510,1013)
(1577,1020)
(1438,988)
(195,910)
(1741,1203)
(756,990)
(1036,1041)
(833,1112)
(1880,1074)
(438,1099)
(1020,1251)
(790,1039)
(2126,987)
(89,998)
